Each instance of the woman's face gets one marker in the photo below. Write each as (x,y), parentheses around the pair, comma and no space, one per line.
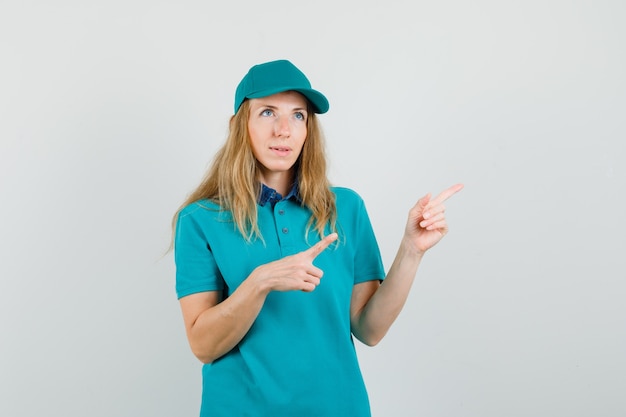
(278,128)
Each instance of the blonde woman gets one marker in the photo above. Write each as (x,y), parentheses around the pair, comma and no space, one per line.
(277,270)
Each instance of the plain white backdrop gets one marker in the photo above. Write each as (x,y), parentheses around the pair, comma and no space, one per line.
(111,111)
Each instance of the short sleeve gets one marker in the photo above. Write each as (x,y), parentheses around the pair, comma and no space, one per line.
(196,269)
(368,262)
(354,221)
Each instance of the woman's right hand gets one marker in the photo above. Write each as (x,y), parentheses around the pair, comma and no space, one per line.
(294,272)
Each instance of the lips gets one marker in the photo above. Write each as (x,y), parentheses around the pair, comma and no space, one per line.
(281,151)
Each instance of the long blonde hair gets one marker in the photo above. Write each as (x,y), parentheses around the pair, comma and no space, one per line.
(232,179)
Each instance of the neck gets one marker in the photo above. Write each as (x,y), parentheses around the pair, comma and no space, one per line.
(280,181)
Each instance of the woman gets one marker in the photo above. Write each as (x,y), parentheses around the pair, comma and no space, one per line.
(276,270)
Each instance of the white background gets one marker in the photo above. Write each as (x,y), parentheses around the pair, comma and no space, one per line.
(110,112)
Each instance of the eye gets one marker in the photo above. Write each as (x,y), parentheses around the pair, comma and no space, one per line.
(267,113)
(300,116)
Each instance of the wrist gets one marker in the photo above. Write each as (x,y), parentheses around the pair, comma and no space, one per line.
(259,284)
(409,248)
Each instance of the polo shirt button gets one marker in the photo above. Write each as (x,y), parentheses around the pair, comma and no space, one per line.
(285,230)
(281,212)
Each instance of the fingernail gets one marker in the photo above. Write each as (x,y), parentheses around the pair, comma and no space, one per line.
(426,215)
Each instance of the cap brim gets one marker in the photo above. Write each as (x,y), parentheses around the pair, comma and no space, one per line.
(317,99)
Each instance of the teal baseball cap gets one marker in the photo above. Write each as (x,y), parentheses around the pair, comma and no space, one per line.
(275,77)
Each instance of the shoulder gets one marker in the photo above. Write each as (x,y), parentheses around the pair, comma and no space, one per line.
(347,198)
(198,207)
(202,218)
(344,192)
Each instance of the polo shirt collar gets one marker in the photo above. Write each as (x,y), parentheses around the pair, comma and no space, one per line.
(272,196)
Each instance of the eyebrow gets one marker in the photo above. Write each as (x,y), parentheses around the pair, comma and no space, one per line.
(269,106)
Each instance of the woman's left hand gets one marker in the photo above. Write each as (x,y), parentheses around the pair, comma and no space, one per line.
(427,222)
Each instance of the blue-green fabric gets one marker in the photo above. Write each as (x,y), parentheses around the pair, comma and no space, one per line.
(298,358)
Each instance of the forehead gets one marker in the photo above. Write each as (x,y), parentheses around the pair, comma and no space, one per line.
(291,99)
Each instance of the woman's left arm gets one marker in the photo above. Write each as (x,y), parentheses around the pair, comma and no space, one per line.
(374,306)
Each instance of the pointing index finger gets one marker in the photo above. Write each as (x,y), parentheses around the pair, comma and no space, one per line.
(446,194)
(320,246)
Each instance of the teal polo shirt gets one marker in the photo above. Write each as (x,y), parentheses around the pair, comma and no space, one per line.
(298,358)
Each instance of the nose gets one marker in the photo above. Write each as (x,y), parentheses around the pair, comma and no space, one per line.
(281,127)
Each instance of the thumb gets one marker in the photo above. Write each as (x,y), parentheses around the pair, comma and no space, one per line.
(418,209)
(423,202)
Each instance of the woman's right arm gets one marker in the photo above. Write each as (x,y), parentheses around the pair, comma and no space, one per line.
(215,326)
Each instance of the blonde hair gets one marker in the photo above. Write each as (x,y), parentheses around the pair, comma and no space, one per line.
(232,179)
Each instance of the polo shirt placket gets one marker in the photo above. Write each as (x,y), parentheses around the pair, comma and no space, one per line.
(283,227)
